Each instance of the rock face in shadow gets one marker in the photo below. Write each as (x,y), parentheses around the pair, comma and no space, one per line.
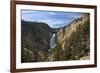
(35,37)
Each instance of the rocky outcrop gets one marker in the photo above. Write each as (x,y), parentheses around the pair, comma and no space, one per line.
(65,32)
(74,38)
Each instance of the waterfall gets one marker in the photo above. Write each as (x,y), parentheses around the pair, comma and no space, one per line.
(53,41)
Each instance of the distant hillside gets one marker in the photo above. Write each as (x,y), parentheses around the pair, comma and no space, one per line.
(35,36)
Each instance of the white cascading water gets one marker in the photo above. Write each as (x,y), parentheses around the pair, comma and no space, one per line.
(53,41)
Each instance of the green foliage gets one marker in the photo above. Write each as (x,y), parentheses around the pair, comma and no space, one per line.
(26,56)
(56,52)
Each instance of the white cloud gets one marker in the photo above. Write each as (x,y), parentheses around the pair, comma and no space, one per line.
(52,13)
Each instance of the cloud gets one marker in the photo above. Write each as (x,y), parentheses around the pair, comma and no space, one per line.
(56,23)
(52,13)
(53,19)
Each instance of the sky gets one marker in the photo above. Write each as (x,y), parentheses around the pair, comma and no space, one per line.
(55,19)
